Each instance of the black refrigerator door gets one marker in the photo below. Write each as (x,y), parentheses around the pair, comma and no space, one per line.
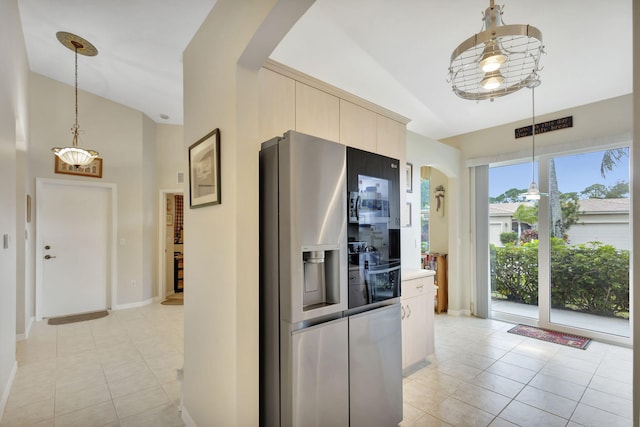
(373,230)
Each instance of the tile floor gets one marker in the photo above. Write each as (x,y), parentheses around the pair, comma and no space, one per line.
(480,375)
(116,371)
(121,371)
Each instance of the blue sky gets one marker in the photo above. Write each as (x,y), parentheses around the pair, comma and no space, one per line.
(575,173)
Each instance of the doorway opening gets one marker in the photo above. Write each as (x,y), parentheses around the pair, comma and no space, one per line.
(562,262)
(171,254)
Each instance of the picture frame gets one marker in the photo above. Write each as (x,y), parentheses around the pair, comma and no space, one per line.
(169,220)
(407,215)
(92,170)
(409,177)
(204,171)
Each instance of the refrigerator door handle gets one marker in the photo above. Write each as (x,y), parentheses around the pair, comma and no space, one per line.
(409,309)
(402,317)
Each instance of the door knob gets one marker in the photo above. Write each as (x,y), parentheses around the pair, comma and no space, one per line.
(48,257)
(47,247)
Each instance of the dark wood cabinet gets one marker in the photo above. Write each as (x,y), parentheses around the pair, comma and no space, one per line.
(178,273)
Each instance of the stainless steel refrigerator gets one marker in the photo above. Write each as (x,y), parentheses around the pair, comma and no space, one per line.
(322,363)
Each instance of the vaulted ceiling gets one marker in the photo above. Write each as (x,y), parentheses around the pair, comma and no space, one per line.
(393,53)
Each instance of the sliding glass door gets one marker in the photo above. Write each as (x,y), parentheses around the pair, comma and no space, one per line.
(562,262)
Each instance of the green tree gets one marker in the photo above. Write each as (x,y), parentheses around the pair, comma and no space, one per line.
(570,212)
(600,191)
(512,195)
(527,215)
(425,188)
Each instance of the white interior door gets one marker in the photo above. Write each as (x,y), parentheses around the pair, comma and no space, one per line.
(74,229)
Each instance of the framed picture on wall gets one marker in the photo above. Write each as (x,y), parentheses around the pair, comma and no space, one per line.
(204,170)
(93,169)
(409,177)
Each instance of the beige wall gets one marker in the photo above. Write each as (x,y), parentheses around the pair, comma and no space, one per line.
(123,137)
(14,123)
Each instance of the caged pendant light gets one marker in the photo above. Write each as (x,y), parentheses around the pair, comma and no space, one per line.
(75,155)
(498,61)
(533,193)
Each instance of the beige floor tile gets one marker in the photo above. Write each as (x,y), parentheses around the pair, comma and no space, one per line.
(499,422)
(607,385)
(498,384)
(29,414)
(513,372)
(455,369)
(565,373)
(410,415)
(74,397)
(525,415)
(608,402)
(172,390)
(421,395)
(557,405)
(458,413)
(164,416)
(530,363)
(98,415)
(589,416)
(122,386)
(140,401)
(481,398)
(25,395)
(558,386)
(428,420)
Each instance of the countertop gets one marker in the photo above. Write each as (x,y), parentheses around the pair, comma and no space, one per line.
(416,273)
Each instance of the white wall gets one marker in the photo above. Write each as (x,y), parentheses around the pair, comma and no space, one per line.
(221,272)
(124,137)
(14,77)
(635,209)
(446,162)
(170,157)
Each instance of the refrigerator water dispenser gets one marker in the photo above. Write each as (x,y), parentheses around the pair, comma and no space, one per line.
(321,280)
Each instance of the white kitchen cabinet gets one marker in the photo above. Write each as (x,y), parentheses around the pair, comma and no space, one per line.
(391,137)
(317,112)
(358,127)
(418,293)
(277,104)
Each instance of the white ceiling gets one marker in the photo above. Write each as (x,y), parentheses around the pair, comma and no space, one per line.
(393,53)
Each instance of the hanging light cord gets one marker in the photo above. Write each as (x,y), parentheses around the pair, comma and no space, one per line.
(533,133)
(75,128)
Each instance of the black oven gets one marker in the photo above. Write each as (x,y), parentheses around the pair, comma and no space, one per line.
(373,228)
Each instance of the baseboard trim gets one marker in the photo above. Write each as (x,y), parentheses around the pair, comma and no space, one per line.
(133,304)
(25,336)
(7,389)
(186,418)
(459,312)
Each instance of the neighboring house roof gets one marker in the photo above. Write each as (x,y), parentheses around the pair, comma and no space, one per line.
(593,206)
(505,209)
(586,207)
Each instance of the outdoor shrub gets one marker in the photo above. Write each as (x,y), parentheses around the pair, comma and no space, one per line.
(592,278)
(508,237)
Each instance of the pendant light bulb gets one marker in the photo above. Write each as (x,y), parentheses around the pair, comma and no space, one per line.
(533,193)
(492,80)
(492,57)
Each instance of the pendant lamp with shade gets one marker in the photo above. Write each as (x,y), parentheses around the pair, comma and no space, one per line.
(75,155)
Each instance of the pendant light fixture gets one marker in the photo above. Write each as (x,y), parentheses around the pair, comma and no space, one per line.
(533,193)
(75,155)
(498,61)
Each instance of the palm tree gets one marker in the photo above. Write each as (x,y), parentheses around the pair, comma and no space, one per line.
(611,158)
(527,215)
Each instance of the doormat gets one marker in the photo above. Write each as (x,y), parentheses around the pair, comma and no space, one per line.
(175,299)
(556,337)
(63,320)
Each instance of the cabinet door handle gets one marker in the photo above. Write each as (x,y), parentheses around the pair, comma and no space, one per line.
(420,287)
(409,309)
(402,313)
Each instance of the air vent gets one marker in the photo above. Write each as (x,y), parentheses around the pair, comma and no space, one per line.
(180,177)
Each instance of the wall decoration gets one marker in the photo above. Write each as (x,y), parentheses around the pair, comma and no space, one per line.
(439,194)
(204,170)
(409,176)
(93,169)
(169,220)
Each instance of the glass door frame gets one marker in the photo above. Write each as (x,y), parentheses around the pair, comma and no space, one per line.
(544,268)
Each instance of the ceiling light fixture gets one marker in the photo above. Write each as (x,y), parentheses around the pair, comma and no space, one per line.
(511,51)
(75,155)
(533,192)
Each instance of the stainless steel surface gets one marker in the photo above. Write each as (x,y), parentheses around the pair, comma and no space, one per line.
(312,206)
(375,368)
(317,367)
